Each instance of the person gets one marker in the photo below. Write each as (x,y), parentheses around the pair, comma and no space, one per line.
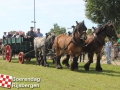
(16,35)
(117,48)
(38,33)
(108,49)
(22,34)
(31,35)
(9,34)
(5,35)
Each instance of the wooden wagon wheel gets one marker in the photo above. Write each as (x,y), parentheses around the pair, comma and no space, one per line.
(28,59)
(21,57)
(8,53)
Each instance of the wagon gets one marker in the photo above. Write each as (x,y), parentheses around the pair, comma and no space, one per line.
(20,46)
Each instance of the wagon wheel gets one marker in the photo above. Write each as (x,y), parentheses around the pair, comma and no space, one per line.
(8,53)
(28,59)
(21,57)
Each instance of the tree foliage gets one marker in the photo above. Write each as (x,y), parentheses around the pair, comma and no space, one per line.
(104,11)
(57,29)
(89,31)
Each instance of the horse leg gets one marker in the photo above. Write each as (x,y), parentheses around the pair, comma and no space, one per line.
(45,61)
(53,57)
(65,61)
(90,60)
(98,65)
(80,58)
(83,57)
(36,55)
(41,59)
(44,57)
(57,58)
(74,64)
(58,64)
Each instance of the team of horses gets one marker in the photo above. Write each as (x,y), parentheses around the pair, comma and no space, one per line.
(94,44)
(73,45)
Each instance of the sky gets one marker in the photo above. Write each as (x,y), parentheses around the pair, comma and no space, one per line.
(17,14)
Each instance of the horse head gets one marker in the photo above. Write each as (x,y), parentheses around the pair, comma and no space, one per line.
(110,31)
(81,29)
(50,40)
(69,33)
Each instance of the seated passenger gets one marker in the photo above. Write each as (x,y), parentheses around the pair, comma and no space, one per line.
(5,35)
(9,35)
(31,33)
(16,35)
(22,34)
(39,34)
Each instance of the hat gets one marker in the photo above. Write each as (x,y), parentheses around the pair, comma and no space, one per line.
(38,29)
(31,27)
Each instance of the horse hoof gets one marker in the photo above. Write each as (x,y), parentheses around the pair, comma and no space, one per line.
(86,68)
(37,64)
(99,70)
(59,67)
(47,65)
(74,69)
(74,66)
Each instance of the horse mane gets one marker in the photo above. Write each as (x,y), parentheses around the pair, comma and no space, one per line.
(100,29)
(112,25)
(49,36)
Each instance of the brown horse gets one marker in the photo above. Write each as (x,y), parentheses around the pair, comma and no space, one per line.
(94,44)
(97,44)
(70,45)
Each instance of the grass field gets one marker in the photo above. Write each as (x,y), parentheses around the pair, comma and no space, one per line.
(54,79)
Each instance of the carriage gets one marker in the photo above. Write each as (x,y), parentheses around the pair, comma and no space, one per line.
(20,46)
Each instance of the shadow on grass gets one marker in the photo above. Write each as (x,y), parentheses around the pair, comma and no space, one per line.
(91,70)
(104,72)
(80,68)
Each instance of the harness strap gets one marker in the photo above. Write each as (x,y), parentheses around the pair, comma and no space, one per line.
(65,47)
(68,45)
(95,37)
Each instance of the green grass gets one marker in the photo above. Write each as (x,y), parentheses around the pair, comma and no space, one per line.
(65,79)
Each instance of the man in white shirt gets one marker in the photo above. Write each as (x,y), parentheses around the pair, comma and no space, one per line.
(4,36)
(108,49)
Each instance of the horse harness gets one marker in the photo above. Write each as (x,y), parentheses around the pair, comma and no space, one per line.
(95,37)
(72,40)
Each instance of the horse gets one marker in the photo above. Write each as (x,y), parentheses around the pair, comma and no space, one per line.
(82,56)
(3,51)
(70,45)
(95,42)
(42,46)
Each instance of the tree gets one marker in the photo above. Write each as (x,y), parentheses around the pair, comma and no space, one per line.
(57,29)
(89,31)
(103,11)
